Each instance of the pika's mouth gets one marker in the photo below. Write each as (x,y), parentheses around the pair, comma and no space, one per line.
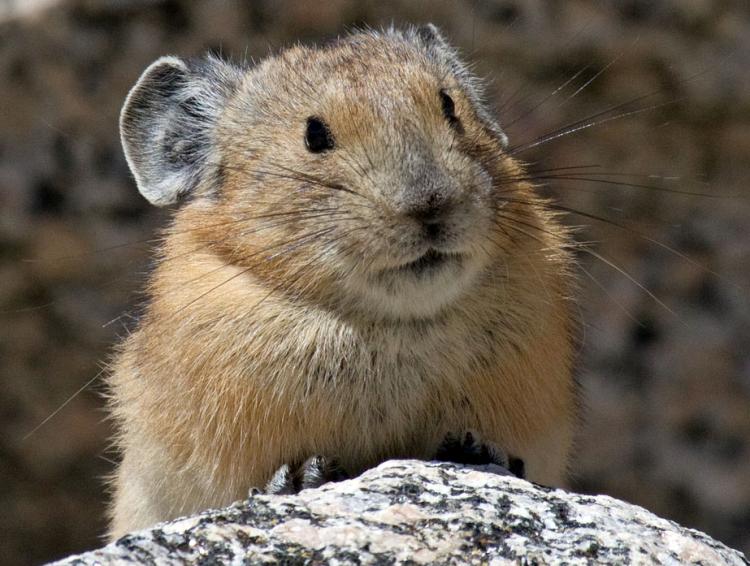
(430,262)
(420,287)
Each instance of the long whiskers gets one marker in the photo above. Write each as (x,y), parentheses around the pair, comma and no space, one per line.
(590,122)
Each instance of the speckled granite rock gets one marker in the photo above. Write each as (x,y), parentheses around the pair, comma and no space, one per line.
(421,513)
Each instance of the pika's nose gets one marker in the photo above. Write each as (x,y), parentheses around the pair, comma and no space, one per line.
(431,213)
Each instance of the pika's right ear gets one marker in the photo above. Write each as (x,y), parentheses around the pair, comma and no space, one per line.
(167,123)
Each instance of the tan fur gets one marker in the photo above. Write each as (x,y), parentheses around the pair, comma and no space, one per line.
(253,353)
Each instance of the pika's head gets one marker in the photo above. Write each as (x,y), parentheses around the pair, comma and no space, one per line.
(364,174)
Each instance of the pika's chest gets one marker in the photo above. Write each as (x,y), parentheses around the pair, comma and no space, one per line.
(380,370)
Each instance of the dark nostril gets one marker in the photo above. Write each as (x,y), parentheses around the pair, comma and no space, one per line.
(427,214)
(430,209)
(431,214)
(432,219)
(432,229)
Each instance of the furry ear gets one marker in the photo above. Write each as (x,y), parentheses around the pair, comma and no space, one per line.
(167,123)
(431,36)
(431,39)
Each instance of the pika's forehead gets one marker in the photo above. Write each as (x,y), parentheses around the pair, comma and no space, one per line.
(380,63)
(392,77)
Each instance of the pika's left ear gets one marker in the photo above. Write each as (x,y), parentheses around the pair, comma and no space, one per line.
(430,38)
(167,125)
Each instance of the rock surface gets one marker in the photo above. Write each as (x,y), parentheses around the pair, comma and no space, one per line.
(420,513)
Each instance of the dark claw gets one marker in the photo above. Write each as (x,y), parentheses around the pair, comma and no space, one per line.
(467,449)
(319,470)
(315,472)
(282,482)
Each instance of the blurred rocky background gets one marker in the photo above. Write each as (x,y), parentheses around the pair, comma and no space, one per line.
(666,382)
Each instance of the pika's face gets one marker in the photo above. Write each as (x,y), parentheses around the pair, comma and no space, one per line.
(364,174)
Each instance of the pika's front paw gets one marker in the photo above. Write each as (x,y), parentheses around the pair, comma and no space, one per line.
(468,449)
(314,472)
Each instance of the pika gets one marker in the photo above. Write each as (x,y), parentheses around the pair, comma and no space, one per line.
(356,270)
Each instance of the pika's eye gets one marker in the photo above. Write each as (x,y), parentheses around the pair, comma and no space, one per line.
(449,108)
(318,137)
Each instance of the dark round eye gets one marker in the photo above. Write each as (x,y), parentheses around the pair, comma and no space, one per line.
(318,137)
(449,108)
